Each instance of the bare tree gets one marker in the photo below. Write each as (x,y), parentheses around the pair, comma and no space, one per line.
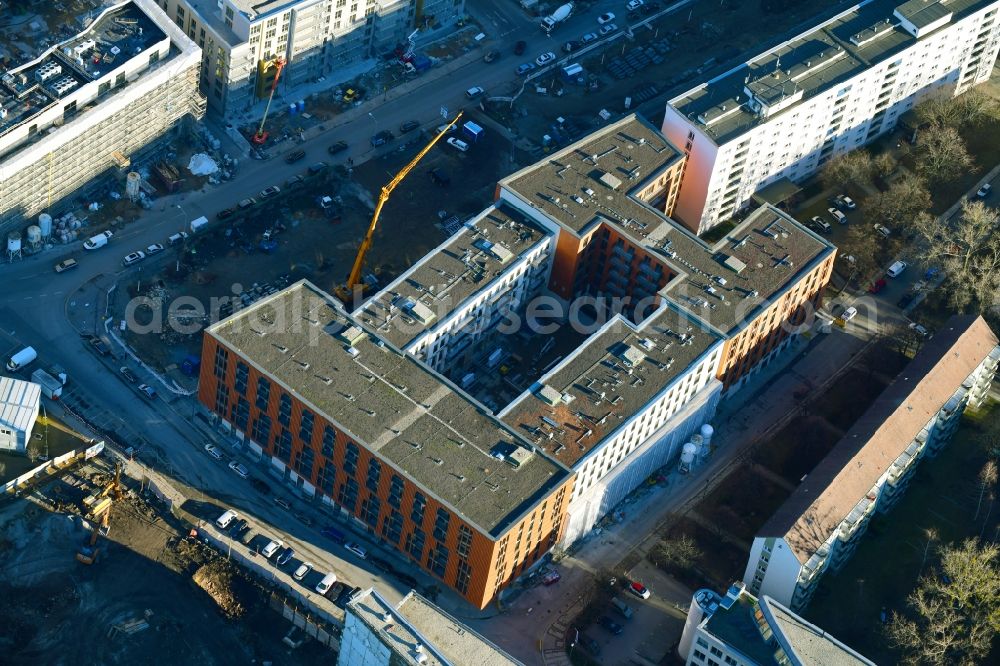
(904,199)
(968,249)
(931,535)
(970,108)
(883,165)
(941,153)
(679,553)
(854,167)
(861,245)
(987,479)
(33,450)
(952,618)
(938,110)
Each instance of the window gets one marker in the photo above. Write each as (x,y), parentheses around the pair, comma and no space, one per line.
(329,438)
(154,58)
(222,399)
(415,544)
(221,362)
(441,525)
(327,477)
(304,463)
(437,560)
(241,415)
(284,448)
(262,430)
(348,496)
(715,651)
(370,509)
(464,541)
(396,491)
(374,474)
(285,410)
(351,459)
(417,513)
(699,655)
(729,660)
(392,528)
(263,393)
(306,426)
(462,577)
(242,377)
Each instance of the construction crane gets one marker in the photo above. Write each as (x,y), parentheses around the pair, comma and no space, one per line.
(346,292)
(99,506)
(261,136)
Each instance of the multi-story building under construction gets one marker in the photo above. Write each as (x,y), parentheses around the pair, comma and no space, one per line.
(88,105)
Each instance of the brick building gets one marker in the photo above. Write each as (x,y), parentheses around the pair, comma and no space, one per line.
(352,421)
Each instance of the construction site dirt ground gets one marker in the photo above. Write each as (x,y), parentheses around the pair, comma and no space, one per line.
(313,245)
(57,610)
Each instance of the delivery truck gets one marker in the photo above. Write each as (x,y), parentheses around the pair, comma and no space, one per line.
(558,16)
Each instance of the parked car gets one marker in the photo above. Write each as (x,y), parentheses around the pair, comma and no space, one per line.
(607,17)
(639,590)
(984,191)
(249,202)
(155,248)
(128,375)
(474,92)
(295,156)
(590,645)
(525,68)
(98,345)
(589,37)
(179,237)
(837,215)
(269,191)
(610,625)
(877,286)
(316,168)
(551,578)
(294,181)
(407,579)
(896,269)
(304,519)
(352,547)
(338,147)
(382,565)
(283,503)
(545,58)
(919,330)
(133,258)
(491,56)
(905,300)
(520,47)
(882,230)
(334,534)
(147,390)
(271,548)
(382,138)
(408,126)
(607,29)
(849,314)
(634,5)
(65,265)
(213,451)
(238,528)
(448,129)
(844,202)
(325,585)
(819,224)
(302,571)
(458,144)
(239,469)
(225,213)
(571,46)
(285,556)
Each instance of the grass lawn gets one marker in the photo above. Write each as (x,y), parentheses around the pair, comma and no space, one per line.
(721,563)
(942,496)
(795,450)
(743,503)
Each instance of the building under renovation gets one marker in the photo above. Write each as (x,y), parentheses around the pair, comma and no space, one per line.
(88,105)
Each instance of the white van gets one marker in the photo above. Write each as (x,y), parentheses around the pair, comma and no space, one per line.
(223,521)
(324,585)
(271,548)
(896,269)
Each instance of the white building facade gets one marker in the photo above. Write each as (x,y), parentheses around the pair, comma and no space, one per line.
(19,405)
(101,117)
(827,91)
(316,38)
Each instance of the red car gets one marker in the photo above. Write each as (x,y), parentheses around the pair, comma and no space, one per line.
(639,590)
(551,578)
(877,286)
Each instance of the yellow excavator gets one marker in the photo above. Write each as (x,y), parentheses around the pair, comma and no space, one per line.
(99,508)
(350,293)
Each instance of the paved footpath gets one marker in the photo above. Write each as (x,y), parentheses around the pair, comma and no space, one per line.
(761,408)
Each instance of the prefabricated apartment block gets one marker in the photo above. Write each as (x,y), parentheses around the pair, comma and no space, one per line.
(242,39)
(820,525)
(89,104)
(830,90)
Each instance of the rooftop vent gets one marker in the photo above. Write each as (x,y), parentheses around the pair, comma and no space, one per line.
(610,180)
(519,456)
(351,335)
(629,355)
(549,395)
(734,264)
